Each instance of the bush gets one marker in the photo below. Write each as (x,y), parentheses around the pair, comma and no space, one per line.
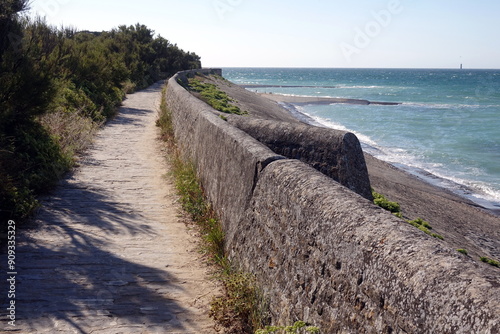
(384,203)
(30,164)
(424,226)
(491,262)
(58,86)
(215,98)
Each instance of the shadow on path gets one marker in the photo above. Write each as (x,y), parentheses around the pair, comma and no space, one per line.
(95,258)
(73,278)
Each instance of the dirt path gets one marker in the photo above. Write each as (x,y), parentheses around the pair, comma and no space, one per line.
(108,252)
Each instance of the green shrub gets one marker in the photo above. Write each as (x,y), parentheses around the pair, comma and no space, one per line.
(297,327)
(424,226)
(30,164)
(422,223)
(215,98)
(395,208)
(57,86)
(384,203)
(437,236)
(489,261)
(463,251)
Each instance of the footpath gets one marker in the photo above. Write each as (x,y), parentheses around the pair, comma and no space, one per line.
(108,251)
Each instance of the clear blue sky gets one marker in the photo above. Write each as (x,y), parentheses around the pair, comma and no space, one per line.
(313,33)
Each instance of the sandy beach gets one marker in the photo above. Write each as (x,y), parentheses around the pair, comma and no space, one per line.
(301,100)
(462,223)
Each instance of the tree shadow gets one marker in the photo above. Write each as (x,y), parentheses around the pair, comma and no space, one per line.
(128,116)
(71,276)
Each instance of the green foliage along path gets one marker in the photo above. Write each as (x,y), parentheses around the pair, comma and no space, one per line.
(58,86)
(108,252)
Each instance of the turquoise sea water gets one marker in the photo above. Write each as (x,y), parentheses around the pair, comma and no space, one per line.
(446,131)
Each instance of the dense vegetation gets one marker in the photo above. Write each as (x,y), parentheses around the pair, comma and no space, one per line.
(57,87)
(216,98)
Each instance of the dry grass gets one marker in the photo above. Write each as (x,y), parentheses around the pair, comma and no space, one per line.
(73,132)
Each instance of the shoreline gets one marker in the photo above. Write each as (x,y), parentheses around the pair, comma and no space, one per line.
(462,223)
(457,189)
(303,100)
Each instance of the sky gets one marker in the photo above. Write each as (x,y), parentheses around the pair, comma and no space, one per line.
(312,33)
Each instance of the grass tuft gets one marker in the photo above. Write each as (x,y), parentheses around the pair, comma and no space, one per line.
(242,309)
(384,203)
(491,262)
(73,132)
(216,98)
(298,327)
(395,209)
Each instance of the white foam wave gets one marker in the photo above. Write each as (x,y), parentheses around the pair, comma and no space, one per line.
(434,173)
(478,189)
(447,105)
(333,125)
(361,87)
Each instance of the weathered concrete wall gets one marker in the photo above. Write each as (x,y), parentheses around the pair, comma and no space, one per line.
(330,257)
(323,253)
(228,160)
(335,153)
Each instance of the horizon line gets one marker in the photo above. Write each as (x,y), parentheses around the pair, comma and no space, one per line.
(357,68)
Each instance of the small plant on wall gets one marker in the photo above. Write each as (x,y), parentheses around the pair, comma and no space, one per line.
(299,327)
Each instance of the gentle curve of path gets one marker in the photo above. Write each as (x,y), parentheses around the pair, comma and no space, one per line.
(108,252)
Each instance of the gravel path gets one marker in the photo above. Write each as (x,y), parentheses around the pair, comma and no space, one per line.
(108,252)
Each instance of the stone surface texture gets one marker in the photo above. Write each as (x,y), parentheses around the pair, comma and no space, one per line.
(335,153)
(324,254)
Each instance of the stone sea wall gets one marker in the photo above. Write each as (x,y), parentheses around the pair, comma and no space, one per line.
(298,217)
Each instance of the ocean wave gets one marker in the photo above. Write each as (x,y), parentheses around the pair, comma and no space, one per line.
(432,172)
(308,96)
(362,87)
(448,105)
(333,125)
(437,174)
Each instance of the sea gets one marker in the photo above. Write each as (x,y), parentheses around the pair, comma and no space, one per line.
(446,129)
